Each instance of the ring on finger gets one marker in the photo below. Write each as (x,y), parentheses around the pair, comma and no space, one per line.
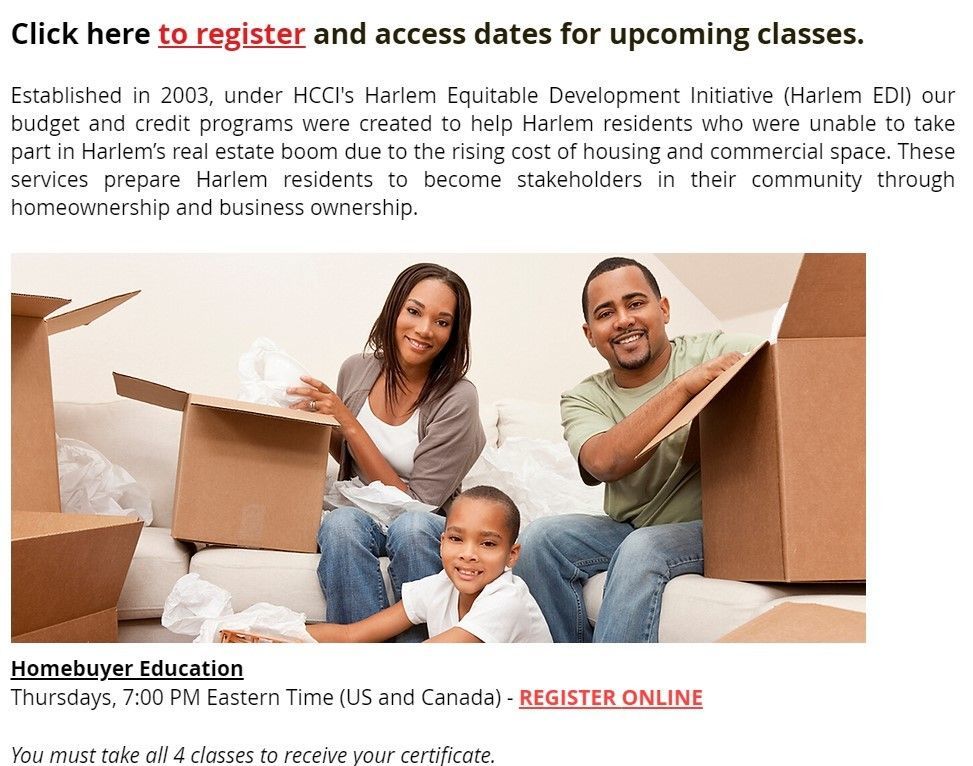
(312,405)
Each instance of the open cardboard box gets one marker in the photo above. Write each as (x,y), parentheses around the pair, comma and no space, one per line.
(782,440)
(249,475)
(801,623)
(33,446)
(68,571)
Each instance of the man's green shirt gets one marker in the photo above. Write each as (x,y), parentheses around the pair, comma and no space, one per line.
(666,489)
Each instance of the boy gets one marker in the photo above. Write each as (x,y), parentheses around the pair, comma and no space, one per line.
(475,599)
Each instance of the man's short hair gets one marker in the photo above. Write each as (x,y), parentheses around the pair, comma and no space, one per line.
(610,264)
(511,514)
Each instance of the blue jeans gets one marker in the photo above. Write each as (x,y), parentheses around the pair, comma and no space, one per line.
(351,544)
(560,553)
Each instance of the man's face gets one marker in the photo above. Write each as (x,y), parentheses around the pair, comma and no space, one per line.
(626,322)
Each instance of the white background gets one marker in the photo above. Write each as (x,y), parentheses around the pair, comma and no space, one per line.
(903,694)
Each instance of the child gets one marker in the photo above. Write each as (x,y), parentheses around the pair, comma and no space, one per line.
(475,599)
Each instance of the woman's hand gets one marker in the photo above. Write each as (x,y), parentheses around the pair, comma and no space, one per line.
(372,465)
(320,398)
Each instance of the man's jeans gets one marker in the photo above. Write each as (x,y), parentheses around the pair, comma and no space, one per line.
(351,544)
(560,553)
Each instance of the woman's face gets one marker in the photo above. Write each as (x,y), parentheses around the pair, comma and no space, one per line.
(425,323)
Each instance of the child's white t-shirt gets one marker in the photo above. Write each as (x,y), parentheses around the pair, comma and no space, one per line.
(504,612)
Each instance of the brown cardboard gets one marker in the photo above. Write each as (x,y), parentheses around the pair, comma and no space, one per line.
(98,628)
(245,637)
(34,482)
(801,623)
(249,475)
(782,440)
(66,568)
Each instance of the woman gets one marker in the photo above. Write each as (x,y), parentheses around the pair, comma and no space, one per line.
(409,419)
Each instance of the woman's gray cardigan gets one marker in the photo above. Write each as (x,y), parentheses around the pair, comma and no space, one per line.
(451,436)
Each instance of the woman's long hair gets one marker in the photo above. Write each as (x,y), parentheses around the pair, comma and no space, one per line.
(452,362)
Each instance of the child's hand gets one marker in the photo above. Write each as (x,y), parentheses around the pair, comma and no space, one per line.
(379,627)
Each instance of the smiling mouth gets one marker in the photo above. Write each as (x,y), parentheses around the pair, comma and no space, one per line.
(628,338)
(467,574)
(418,345)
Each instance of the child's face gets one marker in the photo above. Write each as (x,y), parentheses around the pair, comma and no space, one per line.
(476,546)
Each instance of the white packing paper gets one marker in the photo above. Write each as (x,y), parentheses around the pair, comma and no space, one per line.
(199,608)
(540,476)
(266,372)
(265,619)
(191,602)
(380,501)
(92,484)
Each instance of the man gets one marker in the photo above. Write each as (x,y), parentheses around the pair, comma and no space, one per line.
(652,531)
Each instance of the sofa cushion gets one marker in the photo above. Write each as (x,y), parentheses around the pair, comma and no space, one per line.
(700,609)
(535,420)
(274,577)
(148,632)
(159,561)
(490,418)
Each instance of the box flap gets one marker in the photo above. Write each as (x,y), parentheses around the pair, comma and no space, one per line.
(685,416)
(828,298)
(86,314)
(801,623)
(151,393)
(65,566)
(174,399)
(33,470)
(100,627)
(740,472)
(26,526)
(35,306)
(284,413)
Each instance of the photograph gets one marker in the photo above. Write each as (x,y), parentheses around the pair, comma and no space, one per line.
(450,447)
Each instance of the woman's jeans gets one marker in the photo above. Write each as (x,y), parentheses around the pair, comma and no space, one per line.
(560,553)
(351,544)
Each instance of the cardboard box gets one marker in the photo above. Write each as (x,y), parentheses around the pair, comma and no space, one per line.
(67,573)
(801,623)
(34,452)
(245,637)
(249,475)
(782,440)
(98,628)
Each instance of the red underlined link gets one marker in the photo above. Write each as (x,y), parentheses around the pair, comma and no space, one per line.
(197,47)
(611,707)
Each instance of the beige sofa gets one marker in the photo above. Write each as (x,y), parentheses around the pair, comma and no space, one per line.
(145,440)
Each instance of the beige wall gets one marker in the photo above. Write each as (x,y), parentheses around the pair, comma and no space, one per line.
(198,313)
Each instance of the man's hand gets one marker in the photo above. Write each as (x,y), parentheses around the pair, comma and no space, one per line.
(615,453)
(703,374)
